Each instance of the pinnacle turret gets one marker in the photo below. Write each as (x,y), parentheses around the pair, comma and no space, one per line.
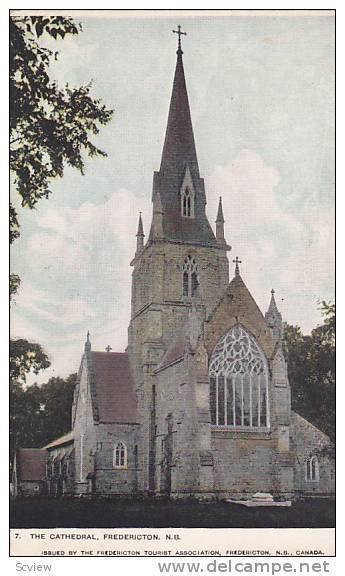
(273,317)
(220,223)
(157,219)
(87,345)
(140,235)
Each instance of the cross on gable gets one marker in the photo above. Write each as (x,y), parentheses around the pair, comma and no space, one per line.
(179,33)
(237,262)
(108,348)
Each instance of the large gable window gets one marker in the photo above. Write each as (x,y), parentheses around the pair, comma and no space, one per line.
(190,277)
(238,375)
(120,455)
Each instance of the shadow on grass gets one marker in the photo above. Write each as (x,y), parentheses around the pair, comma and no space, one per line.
(111,513)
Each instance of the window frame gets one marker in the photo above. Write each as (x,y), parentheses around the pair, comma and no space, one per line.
(244,392)
(187,202)
(310,475)
(119,453)
(190,277)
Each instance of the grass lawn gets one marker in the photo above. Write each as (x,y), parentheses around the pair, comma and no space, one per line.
(112,513)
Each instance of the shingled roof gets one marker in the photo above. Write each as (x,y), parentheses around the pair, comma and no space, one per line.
(31,464)
(179,154)
(113,386)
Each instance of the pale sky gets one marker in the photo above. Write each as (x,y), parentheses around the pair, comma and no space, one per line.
(261,91)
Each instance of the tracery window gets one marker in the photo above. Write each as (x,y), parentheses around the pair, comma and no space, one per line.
(238,375)
(312,469)
(190,277)
(120,455)
(187,207)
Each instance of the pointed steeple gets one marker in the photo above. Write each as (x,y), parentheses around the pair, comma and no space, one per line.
(178,181)
(87,345)
(220,223)
(140,235)
(273,317)
(179,146)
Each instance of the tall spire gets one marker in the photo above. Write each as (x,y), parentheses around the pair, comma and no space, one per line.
(179,170)
(140,235)
(179,146)
(220,223)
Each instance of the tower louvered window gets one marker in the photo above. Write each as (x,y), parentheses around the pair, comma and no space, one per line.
(187,203)
(190,281)
(238,375)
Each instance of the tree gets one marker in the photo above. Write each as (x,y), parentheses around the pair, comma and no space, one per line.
(49,126)
(39,414)
(24,357)
(311,367)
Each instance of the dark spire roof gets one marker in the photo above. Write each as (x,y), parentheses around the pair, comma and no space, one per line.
(179,168)
(179,146)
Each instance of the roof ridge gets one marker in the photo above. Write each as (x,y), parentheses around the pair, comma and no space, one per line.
(109,353)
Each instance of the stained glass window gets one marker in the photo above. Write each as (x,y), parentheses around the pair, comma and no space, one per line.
(239,382)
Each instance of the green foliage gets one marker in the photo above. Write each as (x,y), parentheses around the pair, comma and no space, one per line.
(311,366)
(39,414)
(49,126)
(14,284)
(24,357)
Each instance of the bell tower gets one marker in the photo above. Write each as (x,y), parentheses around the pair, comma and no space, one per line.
(182,259)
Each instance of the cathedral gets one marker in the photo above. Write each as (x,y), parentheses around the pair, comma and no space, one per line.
(199,404)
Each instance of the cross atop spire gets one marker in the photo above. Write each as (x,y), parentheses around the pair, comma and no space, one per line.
(178,31)
(237,269)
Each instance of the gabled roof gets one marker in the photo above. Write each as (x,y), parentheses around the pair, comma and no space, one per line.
(237,306)
(66,439)
(113,387)
(31,464)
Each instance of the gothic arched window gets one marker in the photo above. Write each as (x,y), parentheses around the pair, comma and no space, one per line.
(190,281)
(120,455)
(238,375)
(312,469)
(187,203)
